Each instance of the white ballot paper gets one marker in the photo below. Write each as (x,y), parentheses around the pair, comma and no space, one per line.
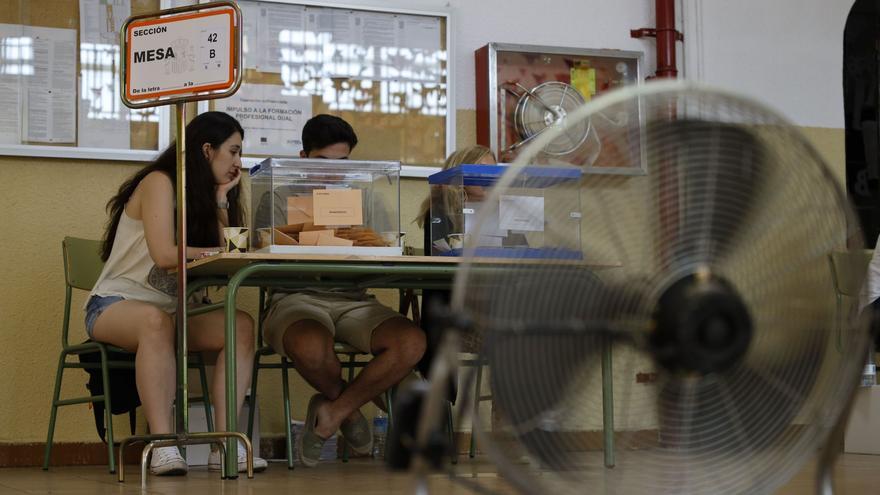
(524,213)
(492,235)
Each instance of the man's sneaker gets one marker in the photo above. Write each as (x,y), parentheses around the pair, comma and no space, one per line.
(214,460)
(358,434)
(167,461)
(309,444)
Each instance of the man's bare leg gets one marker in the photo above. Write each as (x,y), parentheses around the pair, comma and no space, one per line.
(397,345)
(310,347)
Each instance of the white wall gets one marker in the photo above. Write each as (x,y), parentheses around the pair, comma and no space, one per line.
(786,53)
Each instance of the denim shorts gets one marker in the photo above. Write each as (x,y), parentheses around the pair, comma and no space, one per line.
(94,308)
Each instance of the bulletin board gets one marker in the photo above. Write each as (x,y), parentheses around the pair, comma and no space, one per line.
(59,67)
(386,72)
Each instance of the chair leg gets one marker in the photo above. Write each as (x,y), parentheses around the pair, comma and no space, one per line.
(389,401)
(404,299)
(345,452)
(105,377)
(206,396)
(451,429)
(252,399)
(287,431)
(475,418)
(53,414)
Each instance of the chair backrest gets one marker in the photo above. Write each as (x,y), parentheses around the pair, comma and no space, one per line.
(82,262)
(848,270)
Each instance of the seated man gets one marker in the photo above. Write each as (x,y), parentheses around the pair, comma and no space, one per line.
(302,325)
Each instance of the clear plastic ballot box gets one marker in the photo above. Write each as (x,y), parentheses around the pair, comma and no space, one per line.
(316,206)
(538,217)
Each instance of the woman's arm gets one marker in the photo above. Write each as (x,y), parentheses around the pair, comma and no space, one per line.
(223,212)
(155,198)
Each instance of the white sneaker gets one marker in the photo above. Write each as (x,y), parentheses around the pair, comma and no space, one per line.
(167,461)
(214,460)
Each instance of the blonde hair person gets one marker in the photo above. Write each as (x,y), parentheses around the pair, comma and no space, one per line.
(450,199)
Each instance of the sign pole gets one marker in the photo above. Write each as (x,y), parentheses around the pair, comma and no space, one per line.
(176,56)
(182,416)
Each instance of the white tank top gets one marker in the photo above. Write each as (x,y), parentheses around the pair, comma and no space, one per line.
(131,273)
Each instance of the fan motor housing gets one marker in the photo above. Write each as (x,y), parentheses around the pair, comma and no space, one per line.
(701,325)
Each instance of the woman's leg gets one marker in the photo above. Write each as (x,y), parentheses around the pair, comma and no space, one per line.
(148,331)
(207,332)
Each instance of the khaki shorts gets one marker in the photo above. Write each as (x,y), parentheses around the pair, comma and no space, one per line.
(351,321)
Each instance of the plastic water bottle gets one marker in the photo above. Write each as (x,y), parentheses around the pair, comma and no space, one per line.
(380,431)
(869,374)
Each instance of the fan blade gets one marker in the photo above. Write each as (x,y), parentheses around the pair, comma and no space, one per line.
(570,315)
(529,389)
(712,173)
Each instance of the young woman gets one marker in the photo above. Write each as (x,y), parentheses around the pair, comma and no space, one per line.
(133,302)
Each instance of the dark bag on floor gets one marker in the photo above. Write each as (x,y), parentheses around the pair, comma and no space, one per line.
(123,388)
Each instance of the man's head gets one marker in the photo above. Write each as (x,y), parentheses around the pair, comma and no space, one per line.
(327,136)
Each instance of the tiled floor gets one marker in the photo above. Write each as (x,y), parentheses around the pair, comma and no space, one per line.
(855,475)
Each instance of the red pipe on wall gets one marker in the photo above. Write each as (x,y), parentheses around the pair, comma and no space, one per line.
(668,207)
(666,36)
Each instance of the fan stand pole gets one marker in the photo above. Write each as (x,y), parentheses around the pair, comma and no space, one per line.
(827,459)
(829,453)
(607,404)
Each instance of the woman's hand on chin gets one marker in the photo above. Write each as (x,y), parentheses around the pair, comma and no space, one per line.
(224,188)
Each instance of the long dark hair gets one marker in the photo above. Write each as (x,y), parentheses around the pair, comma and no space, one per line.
(201,212)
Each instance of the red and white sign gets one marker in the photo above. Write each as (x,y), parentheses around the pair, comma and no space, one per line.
(179,55)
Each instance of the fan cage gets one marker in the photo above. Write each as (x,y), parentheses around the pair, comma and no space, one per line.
(731,189)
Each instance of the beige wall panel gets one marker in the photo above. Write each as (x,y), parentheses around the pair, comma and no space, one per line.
(46,199)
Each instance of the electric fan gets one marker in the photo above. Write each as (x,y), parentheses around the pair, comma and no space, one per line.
(545,106)
(704,289)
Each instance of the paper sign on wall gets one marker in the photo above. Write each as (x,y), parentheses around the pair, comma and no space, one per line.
(272,121)
(584,80)
(522,213)
(338,207)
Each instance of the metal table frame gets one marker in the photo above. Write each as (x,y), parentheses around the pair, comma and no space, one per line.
(256,270)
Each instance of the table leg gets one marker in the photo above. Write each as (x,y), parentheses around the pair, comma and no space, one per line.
(231,412)
(230,345)
(181,401)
